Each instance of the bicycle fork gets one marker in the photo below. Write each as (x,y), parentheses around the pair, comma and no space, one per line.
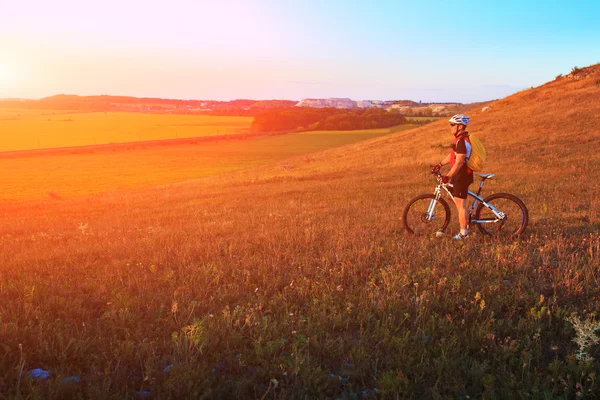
(430,215)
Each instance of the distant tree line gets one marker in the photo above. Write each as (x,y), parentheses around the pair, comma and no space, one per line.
(329,119)
(240,107)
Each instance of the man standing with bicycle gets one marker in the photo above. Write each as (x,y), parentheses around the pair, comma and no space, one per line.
(460,175)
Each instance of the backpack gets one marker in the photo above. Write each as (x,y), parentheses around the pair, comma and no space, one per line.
(478,155)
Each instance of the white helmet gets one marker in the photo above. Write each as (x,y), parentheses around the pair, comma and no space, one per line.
(459,119)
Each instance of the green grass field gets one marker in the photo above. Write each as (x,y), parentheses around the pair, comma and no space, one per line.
(41,129)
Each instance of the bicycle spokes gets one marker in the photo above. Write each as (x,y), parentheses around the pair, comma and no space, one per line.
(503,215)
(426,215)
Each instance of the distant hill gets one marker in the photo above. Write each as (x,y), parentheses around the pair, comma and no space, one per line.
(245,107)
(241,107)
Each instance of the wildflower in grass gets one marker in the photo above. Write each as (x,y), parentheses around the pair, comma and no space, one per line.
(83,227)
(195,332)
(168,368)
(39,373)
(586,336)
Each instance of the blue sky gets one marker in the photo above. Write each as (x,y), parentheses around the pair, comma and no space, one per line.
(430,51)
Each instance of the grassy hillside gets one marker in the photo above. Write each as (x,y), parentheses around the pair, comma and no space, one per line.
(299,283)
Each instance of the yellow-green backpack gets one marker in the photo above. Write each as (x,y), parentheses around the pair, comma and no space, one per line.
(478,155)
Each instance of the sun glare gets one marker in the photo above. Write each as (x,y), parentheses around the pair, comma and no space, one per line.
(8,77)
(5,74)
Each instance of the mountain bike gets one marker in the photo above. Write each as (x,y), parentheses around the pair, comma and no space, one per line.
(500,215)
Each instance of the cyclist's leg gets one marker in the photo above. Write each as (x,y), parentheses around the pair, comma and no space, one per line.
(460,191)
(463,213)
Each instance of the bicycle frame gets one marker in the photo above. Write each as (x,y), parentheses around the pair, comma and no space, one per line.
(477,199)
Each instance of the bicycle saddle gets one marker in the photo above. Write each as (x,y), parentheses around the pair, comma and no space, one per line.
(486,176)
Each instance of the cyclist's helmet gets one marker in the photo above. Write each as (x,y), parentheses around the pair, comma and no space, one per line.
(459,119)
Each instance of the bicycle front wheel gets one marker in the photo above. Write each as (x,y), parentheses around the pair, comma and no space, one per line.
(417,220)
(515,218)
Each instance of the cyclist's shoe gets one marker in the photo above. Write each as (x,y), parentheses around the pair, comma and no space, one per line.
(440,234)
(460,236)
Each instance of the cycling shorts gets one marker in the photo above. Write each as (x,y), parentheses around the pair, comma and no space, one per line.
(461,187)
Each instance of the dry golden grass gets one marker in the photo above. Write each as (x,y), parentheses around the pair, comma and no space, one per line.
(300,283)
(41,129)
(76,172)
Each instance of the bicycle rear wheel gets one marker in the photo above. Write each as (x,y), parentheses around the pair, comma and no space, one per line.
(415,216)
(515,220)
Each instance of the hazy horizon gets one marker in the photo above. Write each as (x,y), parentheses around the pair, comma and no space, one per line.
(384,50)
(233,99)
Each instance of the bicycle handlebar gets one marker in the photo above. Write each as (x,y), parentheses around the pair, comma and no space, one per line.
(435,170)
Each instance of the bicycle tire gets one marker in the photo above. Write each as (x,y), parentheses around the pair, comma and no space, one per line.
(409,223)
(498,231)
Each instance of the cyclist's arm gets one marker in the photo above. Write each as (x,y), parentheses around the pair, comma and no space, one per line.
(460,160)
(445,160)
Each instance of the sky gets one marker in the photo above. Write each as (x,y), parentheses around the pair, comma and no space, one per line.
(433,51)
